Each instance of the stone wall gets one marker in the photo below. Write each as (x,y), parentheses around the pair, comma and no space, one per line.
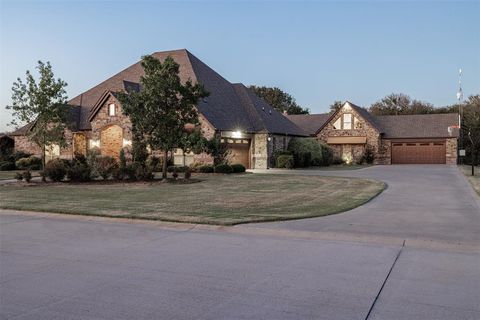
(259,151)
(451,146)
(362,128)
(23,144)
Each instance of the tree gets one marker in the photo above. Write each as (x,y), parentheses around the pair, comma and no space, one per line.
(43,104)
(397,104)
(163,106)
(336,105)
(280,100)
(471,127)
(218,150)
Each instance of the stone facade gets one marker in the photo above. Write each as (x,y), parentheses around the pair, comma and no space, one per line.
(110,132)
(23,144)
(451,146)
(361,128)
(259,151)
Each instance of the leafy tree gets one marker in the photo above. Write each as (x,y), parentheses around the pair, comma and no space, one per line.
(218,150)
(42,103)
(279,99)
(397,104)
(163,106)
(336,105)
(471,127)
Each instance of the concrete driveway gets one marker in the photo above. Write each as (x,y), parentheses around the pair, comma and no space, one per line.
(73,267)
(424,202)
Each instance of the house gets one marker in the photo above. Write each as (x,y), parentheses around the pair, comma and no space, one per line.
(252,129)
(394,139)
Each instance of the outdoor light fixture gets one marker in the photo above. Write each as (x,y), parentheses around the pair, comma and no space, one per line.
(236,134)
(126,142)
(94,143)
(269,138)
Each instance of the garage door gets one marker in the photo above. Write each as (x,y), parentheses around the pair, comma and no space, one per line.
(239,153)
(418,153)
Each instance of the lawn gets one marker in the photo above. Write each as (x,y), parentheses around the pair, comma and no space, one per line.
(8,175)
(216,199)
(474,180)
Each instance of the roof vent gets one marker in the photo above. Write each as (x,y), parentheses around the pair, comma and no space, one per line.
(263,108)
(270,111)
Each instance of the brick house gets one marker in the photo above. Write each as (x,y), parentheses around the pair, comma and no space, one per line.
(252,129)
(397,139)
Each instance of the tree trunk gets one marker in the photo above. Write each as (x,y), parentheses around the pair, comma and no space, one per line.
(43,163)
(164,167)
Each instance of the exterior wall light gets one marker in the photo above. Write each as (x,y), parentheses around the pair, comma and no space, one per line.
(94,143)
(127,143)
(236,134)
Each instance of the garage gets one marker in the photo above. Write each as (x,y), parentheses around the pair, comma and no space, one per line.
(418,152)
(239,151)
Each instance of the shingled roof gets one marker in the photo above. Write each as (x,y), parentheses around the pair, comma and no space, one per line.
(418,125)
(310,123)
(393,126)
(226,108)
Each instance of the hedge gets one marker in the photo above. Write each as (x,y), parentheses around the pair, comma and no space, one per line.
(238,168)
(223,168)
(284,161)
(309,152)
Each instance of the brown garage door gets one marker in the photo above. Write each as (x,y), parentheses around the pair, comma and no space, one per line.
(418,152)
(239,152)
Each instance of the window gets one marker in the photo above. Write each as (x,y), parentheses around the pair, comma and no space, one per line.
(111,109)
(338,124)
(347,121)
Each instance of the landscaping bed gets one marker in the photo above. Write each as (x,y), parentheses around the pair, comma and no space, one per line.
(217,199)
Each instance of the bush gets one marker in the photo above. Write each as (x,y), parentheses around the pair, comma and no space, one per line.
(188,174)
(19,176)
(369,154)
(309,152)
(135,171)
(154,163)
(32,163)
(55,170)
(284,161)
(92,161)
(27,176)
(180,169)
(79,172)
(105,166)
(337,160)
(174,173)
(208,168)
(238,168)
(223,168)
(20,154)
(7,166)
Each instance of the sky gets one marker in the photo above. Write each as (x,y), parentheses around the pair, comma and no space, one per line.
(318,51)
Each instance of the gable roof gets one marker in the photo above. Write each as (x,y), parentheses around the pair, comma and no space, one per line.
(394,126)
(310,123)
(418,125)
(223,108)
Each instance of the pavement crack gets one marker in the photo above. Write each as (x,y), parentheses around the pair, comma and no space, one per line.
(385,281)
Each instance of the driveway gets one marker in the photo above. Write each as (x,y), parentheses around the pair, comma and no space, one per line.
(72,267)
(422,202)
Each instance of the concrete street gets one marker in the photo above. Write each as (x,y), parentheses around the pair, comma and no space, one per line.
(71,267)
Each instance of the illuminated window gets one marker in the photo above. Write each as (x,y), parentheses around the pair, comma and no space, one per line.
(347,121)
(111,109)
(338,124)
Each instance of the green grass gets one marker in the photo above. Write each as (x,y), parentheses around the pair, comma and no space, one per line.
(8,175)
(474,180)
(217,199)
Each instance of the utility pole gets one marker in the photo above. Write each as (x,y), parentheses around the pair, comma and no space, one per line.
(461,151)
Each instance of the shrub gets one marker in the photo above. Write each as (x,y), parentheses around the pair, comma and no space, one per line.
(177,168)
(19,176)
(369,154)
(188,174)
(223,168)
(55,170)
(135,171)
(20,154)
(79,172)
(32,163)
(238,168)
(206,169)
(309,152)
(7,166)
(174,173)
(92,161)
(105,166)
(337,160)
(154,163)
(27,176)
(284,161)
(327,154)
